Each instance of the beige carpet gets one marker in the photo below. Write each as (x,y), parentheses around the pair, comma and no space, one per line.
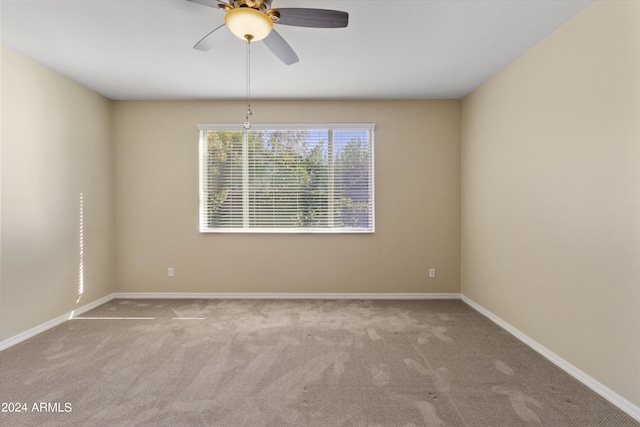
(289,363)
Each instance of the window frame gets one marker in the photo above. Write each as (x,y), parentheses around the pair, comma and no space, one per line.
(202,149)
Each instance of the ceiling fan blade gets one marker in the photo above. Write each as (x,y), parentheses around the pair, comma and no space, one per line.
(210,3)
(215,37)
(280,48)
(316,18)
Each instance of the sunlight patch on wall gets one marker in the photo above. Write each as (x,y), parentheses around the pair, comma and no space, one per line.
(81,251)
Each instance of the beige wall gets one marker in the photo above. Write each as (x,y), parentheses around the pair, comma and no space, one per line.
(551,194)
(56,144)
(417,171)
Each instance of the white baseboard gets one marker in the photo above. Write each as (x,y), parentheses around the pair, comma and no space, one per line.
(585,379)
(214,295)
(52,323)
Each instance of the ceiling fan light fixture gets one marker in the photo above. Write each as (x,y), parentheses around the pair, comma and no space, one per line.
(248,24)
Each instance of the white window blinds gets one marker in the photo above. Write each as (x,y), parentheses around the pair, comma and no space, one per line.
(286,178)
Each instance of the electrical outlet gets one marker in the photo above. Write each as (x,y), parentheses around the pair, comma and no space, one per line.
(170,271)
(432,272)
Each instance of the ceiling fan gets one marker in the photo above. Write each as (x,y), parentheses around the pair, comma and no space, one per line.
(253,20)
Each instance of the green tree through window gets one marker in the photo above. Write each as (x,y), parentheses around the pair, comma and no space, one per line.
(291,179)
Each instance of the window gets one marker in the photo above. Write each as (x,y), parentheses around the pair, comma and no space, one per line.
(286,178)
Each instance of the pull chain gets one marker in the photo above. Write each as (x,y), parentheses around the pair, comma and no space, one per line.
(247,124)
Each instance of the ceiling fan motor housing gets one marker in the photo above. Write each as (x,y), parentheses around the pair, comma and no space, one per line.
(261,5)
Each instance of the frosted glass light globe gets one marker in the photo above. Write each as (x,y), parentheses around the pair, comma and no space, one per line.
(248,24)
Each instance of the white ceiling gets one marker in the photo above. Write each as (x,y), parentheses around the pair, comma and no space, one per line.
(394,49)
